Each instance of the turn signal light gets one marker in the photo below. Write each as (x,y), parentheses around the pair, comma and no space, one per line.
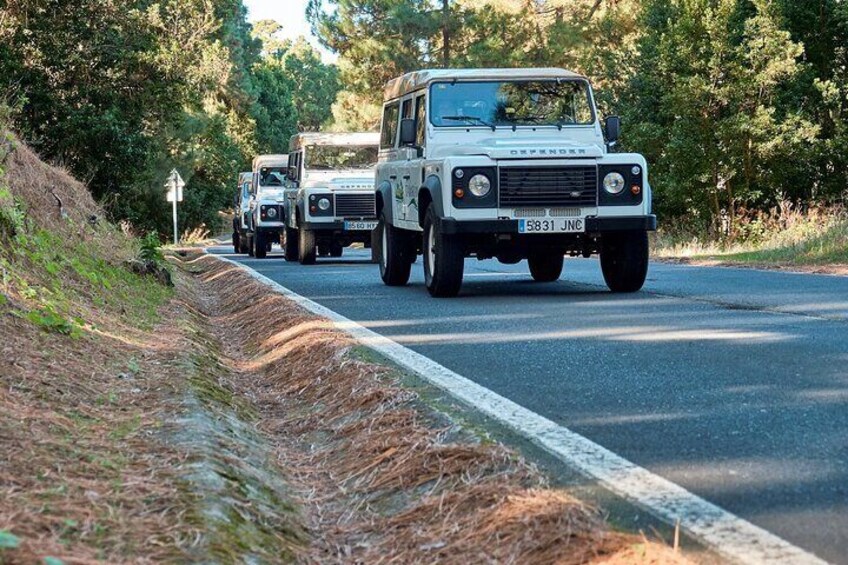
(459,193)
(313,209)
(635,189)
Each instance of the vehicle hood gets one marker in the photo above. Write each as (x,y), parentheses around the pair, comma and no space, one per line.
(536,148)
(357,180)
(271,196)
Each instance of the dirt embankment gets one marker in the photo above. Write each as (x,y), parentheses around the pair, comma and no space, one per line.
(379,475)
(219,422)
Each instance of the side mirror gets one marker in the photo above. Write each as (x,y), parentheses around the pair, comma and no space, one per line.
(407,132)
(236,201)
(612,129)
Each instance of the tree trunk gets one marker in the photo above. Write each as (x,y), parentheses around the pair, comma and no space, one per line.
(445,34)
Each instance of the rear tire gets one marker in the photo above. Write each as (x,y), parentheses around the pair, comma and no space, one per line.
(375,246)
(306,246)
(260,247)
(545,268)
(392,248)
(250,246)
(291,244)
(336,250)
(444,259)
(236,243)
(624,260)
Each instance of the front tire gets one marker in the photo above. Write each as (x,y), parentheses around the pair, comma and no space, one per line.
(260,247)
(306,246)
(250,245)
(545,268)
(624,260)
(236,243)
(336,250)
(391,246)
(291,244)
(444,259)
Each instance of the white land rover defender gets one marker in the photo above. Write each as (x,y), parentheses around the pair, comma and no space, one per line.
(330,203)
(241,211)
(509,164)
(266,207)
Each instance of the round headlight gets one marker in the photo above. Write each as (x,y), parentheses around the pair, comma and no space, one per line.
(324,204)
(479,185)
(271,212)
(614,183)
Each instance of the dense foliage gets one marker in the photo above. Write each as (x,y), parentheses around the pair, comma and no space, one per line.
(737,104)
(121,91)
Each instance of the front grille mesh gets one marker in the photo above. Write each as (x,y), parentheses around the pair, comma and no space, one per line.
(549,186)
(356,205)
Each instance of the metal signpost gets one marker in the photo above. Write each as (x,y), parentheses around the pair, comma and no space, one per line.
(175,186)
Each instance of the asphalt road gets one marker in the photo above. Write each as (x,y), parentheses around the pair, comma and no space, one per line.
(732,383)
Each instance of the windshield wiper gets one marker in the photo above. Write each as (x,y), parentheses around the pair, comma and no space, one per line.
(470,119)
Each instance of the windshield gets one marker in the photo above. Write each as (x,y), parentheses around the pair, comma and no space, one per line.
(330,157)
(272,192)
(513,103)
(272,176)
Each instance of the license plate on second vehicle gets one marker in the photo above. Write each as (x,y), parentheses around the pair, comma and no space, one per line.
(552,225)
(360,226)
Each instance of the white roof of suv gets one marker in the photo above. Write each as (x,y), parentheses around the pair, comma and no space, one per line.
(325,138)
(270,161)
(419,79)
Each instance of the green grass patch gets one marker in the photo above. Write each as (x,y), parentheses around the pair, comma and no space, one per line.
(816,238)
(60,280)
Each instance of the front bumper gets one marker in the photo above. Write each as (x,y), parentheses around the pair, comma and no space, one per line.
(594,225)
(334,226)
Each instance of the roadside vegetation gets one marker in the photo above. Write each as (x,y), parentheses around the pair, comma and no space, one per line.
(120,92)
(815,239)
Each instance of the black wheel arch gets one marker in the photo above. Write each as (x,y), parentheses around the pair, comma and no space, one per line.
(430,192)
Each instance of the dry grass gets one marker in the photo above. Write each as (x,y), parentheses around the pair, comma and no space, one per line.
(80,477)
(813,239)
(39,185)
(378,476)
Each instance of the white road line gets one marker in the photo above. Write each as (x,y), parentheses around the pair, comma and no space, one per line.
(720,530)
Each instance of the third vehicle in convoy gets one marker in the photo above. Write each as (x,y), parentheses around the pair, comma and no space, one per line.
(510,164)
(265,223)
(330,201)
(241,213)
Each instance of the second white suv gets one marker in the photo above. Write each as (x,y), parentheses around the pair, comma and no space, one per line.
(330,203)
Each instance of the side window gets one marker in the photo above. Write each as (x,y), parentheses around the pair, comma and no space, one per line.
(420,121)
(390,126)
(407,109)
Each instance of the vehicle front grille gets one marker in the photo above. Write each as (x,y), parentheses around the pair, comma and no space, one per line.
(362,205)
(549,186)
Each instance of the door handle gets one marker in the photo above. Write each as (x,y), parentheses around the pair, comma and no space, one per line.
(406,177)
(392,177)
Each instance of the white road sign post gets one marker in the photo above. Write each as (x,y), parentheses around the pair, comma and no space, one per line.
(175,186)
